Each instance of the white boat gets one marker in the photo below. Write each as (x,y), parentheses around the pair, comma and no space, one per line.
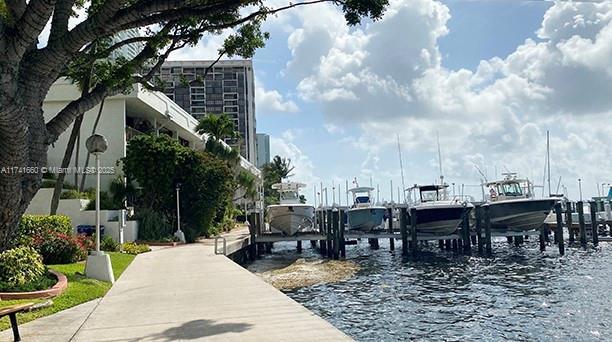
(512,206)
(290,216)
(363,214)
(436,214)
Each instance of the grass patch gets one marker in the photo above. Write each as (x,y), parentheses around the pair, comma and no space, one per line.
(80,289)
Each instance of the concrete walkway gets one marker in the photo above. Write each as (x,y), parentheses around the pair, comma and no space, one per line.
(189,293)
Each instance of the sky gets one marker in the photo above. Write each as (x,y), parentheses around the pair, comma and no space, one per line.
(489,78)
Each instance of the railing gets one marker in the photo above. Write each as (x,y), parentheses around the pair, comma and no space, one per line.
(131,132)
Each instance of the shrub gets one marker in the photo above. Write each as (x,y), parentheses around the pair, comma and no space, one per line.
(32,226)
(135,248)
(74,194)
(153,225)
(59,248)
(20,266)
(106,202)
(108,244)
(206,181)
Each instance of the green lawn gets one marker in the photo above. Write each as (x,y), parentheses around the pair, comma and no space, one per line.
(80,289)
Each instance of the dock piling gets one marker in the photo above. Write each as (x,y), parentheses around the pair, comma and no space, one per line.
(487,220)
(336,233)
(559,230)
(413,231)
(479,241)
(342,215)
(299,246)
(404,231)
(322,230)
(467,248)
(580,210)
(390,228)
(568,222)
(330,247)
(543,228)
(594,222)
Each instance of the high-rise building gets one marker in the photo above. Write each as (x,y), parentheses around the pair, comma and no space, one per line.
(228,87)
(263,149)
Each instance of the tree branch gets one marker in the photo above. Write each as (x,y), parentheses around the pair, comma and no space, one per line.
(29,26)
(61,16)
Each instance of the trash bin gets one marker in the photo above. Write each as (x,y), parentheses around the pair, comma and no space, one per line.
(89,230)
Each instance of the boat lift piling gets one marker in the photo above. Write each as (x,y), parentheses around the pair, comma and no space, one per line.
(580,210)
(487,221)
(336,233)
(568,222)
(414,245)
(404,231)
(329,233)
(342,215)
(479,238)
(390,228)
(559,230)
(594,223)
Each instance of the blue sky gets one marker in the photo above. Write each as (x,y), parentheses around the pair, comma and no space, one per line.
(490,77)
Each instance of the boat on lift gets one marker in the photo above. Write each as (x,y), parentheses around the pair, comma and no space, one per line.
(363,214)
(512,206)
(290,216)
(436,213)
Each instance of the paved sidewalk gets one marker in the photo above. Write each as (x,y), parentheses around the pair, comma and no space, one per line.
(186,293)
(58,327)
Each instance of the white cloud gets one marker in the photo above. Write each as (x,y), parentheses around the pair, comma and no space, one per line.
(304,171)
(272,101)
(386,77)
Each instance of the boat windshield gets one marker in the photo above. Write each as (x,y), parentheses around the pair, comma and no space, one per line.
(288,195)
(510,189)
(429,196)
(362,199)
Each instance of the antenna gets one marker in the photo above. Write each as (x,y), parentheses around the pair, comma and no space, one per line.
(399,152)
(440,158)
(481,173)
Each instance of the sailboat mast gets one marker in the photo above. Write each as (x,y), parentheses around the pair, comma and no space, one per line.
(440,158)
(399,151)
(548,160)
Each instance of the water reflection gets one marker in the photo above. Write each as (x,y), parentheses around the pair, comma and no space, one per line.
(519,294)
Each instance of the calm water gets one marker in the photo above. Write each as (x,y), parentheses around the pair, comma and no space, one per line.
(519,294)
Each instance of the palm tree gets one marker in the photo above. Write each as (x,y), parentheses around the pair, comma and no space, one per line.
(281,167)
(217,126)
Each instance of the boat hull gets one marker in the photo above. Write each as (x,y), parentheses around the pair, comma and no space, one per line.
(437,220)
(365,219)
(290,219)
(519,215)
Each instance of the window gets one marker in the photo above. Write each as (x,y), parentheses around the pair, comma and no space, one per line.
(198,97)
(188,71)
(227,96)
(198,103)
(511,189)
(198,110)
(230,109)
(230,83)
(176,70)
(197,90)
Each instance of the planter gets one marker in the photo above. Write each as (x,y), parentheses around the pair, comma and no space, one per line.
(53,291)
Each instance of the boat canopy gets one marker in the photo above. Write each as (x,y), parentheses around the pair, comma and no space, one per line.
(360,189)
(289,187)
(430,192)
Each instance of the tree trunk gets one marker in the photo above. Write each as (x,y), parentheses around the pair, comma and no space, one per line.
(59,185)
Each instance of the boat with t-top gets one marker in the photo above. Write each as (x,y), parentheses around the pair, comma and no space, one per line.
(290,216)
(436,213)
(512,206)
(363,214)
